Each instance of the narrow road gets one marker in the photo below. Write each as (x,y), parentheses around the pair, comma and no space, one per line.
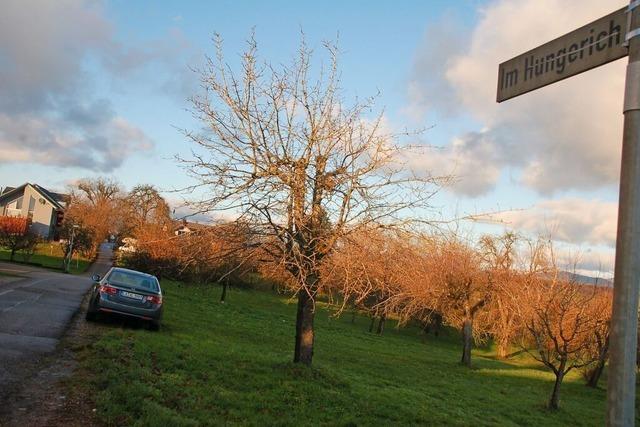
(35,311)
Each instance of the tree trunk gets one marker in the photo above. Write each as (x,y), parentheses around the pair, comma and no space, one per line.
(426,327)
(503,349)
(304,329)
(13,253)
(467,341)
(436,324)
(223,297)
(381,324)
(353,316)
(372,324)
(554,402)
(596,373)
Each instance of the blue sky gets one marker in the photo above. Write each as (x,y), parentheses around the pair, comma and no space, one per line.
(100,88)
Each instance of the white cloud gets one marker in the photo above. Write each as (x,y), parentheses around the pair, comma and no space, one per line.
(182,209)
(49,112)
(472,160)
(574,221)
(565,136)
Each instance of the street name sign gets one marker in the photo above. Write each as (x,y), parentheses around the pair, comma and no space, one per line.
(590,46)
(604,40)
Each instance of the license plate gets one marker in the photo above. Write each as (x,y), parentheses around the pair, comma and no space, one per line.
(131,295)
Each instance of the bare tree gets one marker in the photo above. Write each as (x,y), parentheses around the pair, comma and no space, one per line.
(598,345)
(448,280)
(463,289)
(146,205)
(370,268)
(284,150)
(499,258)
(559,321)
(96,204)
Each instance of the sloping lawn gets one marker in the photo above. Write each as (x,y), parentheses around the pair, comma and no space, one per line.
(215,364)
(49,255)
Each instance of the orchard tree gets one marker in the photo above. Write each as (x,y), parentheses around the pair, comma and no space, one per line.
(462,289)
(600,310)
(284,149)
(500,261)
(370,269)
(558,317)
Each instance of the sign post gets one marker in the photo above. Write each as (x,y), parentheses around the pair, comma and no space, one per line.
(604,40)
(621,386)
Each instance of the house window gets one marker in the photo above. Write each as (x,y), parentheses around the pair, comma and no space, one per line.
(32,204)
(19,203)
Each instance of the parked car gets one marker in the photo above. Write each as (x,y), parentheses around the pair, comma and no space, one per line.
(126,292)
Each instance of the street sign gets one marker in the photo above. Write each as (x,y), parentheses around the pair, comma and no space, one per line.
(595,44)
(604,40)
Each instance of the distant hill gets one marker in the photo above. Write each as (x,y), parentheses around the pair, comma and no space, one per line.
(588,280)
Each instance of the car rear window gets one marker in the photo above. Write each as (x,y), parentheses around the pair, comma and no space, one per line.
(131,279)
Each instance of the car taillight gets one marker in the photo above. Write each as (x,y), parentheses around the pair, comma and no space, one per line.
(154,299)
(108,290)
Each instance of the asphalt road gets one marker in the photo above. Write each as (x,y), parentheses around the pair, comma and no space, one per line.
(36,310)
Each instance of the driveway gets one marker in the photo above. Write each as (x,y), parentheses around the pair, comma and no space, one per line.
(35,309)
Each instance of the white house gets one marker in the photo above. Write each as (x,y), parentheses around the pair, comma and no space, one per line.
(45,208)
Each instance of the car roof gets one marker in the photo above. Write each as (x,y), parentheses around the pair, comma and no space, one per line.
(139,273)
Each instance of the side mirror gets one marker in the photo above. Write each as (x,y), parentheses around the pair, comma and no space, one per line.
(95,277)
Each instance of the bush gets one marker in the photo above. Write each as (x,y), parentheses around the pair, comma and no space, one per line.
(29,246)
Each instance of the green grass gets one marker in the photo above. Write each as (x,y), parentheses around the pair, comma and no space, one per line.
(48,255)
(216,364)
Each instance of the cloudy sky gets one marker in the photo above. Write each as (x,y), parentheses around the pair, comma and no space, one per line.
(92,88)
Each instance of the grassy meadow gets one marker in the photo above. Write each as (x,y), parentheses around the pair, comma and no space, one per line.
(217,364)
(49,255)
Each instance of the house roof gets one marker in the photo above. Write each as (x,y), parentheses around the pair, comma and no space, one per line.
(193,226)
(56,199)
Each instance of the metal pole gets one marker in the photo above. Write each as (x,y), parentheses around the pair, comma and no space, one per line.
(621,388)
(69,257)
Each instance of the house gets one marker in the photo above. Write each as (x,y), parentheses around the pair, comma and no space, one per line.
(186,227)
(45,208)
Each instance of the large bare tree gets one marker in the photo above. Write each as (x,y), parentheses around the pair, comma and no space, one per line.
(96,204)
(145,205)
(284,149)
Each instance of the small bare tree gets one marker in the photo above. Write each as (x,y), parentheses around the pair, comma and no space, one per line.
(370,268)
(284,150)
(560,325)
(462,290)
(499,258)
(448,281)
(565,322)
(600,310)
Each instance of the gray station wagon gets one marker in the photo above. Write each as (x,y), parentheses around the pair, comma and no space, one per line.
(129,293)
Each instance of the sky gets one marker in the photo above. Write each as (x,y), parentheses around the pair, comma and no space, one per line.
(100,88)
